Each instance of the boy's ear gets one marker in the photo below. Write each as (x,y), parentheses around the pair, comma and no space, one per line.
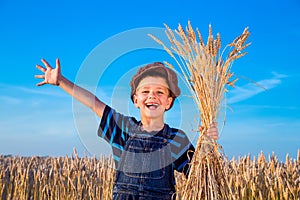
(170,100)
(135,101)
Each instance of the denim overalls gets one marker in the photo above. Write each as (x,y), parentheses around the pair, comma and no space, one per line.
(145,169)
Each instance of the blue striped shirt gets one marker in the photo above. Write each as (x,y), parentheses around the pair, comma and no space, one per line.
(116,128)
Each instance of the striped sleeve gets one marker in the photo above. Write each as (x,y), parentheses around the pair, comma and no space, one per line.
(114,129)
(182,151)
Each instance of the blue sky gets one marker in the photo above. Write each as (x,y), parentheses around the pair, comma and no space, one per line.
(100,45)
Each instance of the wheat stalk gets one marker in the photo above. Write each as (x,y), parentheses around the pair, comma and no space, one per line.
(208,75)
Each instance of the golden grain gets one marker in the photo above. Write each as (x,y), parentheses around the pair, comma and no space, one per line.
(55,178)
(207,71)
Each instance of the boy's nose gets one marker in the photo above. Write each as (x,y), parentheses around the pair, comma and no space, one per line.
(151,95)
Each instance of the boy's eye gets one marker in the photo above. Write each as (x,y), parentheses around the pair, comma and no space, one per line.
(145,91)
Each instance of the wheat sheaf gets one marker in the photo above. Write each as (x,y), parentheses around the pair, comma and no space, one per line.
(207,71)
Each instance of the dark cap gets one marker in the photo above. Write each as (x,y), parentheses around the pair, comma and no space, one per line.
(156,69)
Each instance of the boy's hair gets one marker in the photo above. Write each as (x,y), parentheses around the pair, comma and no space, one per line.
(156,69)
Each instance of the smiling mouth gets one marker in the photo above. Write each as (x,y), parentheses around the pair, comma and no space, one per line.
(152,106)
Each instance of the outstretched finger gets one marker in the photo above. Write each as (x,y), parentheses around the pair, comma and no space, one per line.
(41,68)
(41,83)
(57,63)
(40,76)
(46,64)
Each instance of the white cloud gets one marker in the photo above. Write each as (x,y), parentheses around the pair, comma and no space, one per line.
(251,89)
(10,100)
(42,90)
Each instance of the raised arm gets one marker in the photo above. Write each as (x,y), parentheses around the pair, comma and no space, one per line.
(54,76)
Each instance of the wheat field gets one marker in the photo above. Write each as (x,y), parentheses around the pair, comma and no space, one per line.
(75,177)
(55,178)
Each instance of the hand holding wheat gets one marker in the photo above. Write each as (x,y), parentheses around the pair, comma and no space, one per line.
(212,131)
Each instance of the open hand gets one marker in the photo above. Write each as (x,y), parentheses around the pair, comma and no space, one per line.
(50,76)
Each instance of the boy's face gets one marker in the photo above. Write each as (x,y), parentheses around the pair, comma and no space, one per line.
(152,97)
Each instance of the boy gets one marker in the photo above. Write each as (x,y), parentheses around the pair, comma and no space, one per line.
(146,152)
